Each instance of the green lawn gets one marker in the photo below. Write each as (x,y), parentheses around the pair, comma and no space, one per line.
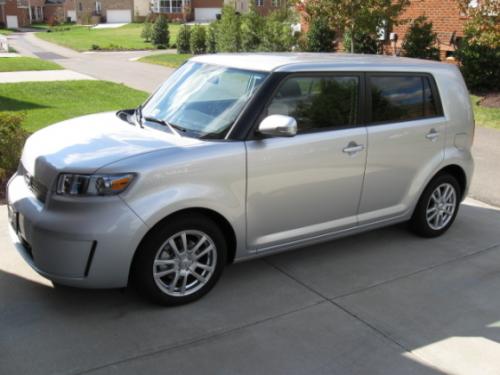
(171,60)
(48,102)
(16,64)
(484,116)
(82,38)
(6,31)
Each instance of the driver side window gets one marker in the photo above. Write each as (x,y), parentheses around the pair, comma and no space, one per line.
(318,102)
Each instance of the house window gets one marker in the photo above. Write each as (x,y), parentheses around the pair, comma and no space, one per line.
(170,6)
(276,3)
(259,3)
(80,7)
(97,7)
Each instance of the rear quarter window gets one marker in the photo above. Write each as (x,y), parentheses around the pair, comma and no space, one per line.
(396,98)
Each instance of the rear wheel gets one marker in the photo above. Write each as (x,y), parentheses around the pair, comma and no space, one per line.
(180,260)
(437,208)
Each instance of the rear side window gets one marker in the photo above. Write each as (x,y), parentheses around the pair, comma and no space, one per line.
(401,98)
(318,102)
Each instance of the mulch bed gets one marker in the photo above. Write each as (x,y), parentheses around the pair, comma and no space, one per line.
(491,100)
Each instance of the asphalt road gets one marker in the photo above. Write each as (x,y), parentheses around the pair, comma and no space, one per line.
(384,302)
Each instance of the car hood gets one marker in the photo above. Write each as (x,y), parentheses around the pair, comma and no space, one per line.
(85,144)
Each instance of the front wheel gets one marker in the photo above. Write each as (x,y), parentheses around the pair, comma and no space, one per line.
(180,260)
(437,208)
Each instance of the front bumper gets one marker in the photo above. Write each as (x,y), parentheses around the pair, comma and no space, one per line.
(84,242)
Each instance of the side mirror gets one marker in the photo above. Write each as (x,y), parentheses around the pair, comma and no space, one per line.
(278,126)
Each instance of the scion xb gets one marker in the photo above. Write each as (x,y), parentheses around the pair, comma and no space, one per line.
(237,156)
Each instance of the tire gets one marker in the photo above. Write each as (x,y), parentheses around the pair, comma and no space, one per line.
(167,274)
(434,213)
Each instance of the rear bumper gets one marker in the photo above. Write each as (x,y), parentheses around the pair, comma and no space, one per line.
(81,242)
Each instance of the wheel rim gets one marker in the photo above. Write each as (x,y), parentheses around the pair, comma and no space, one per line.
(184,263)
(441,206)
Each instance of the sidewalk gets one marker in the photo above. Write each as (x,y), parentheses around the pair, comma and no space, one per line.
(42,76)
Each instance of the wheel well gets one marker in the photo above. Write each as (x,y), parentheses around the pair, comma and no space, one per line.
(458,173)
(221,221)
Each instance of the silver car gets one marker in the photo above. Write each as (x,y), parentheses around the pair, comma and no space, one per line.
(237,156)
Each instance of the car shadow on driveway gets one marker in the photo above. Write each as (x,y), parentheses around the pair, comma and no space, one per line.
(380,302)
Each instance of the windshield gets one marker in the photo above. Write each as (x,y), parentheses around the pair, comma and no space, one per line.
(202,100)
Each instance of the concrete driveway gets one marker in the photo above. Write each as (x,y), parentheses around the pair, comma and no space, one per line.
(384,302)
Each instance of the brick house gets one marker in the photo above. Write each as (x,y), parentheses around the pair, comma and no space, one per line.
(447,21)
(57,11)
(446,17)
(20,13)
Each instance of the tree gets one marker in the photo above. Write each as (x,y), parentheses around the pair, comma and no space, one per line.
(356,16)
(252,25)
(184,40)
(160,35)
(420,41)
(198,40)
(479,51)
(146,30)
(277,34)
(229,31)
(320,36)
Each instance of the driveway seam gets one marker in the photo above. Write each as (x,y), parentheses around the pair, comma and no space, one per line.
(205,338)
(431,267)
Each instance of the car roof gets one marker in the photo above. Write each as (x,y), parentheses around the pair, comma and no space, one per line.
(297,62)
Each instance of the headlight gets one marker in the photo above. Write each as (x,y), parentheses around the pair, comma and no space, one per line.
(97,184)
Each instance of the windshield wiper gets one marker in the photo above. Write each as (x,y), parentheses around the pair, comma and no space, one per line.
(173,128)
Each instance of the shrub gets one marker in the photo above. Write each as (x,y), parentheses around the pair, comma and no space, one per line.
(363,42)
(320,36)
(212,38)
(183,40)
(229,31)
(198,40)
(147,31)
(420,41)
(252,25)
(12,138)
(479,65)
(160,35)
(277,35)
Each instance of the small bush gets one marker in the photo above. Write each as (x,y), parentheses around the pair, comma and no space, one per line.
(183,40)
(198,40)
(147,31)
(12,138)
(363,43)
(95,47)
(160,35)
(320,36)
(479,65)
(212,37)
(420,41)
(277,34)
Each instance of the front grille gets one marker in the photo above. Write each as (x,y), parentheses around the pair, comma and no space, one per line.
(39,189)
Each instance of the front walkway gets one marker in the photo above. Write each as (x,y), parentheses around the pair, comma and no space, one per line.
(42,76)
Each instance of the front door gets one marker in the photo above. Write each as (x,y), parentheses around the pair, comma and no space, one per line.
(308,185)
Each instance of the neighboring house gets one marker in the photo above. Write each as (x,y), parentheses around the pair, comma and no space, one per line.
(111,11)
(57,11)
(447,21)
(20,13)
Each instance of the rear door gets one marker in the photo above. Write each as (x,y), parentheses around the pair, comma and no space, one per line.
(406,134)
(308,185)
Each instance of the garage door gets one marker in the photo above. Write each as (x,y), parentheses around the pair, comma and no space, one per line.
(119,16)
(12,22)
(72,15)
(206,14)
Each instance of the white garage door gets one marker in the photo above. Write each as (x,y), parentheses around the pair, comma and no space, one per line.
(206,14)
(119,16)
(72,15)
(12,22)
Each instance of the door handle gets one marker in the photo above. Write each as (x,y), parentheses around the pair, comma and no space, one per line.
(432,135)
(353,148)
